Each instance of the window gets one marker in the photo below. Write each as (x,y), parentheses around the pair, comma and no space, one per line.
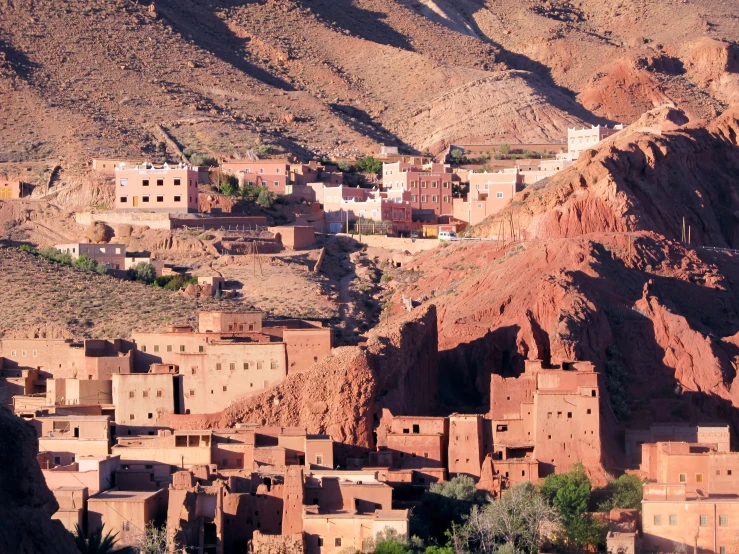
(176,182)
(232,366)
(160,198)
(159,394)
(261,170)
(722,550)
(259,365)
(320,542)
(698,477)
(703,521)
(728,472)
(337,541)
(146,394)
(192,392)
(124,199)
(498,195)
(182,348)
(569,415)
(416,429)
(126,526)
(414,198)
(130,416)
(156,348)
(225,388)
(246,365)
(277,183)
(145,182)
(131,394)
(683,478)
(177,198)
(145,198)
(124,182)
(160,182)
(589,411)
(723,521)
(434,198)
(673,519)
(218,367)
(169,348)
(201,348)
(319,459)
(149,415)
(143,348)
(273,365)
(424,198)
(57,460)
(446,199)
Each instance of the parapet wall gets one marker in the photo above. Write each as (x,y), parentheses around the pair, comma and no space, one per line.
(152,220)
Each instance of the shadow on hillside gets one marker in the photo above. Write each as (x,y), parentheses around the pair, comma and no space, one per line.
(362,23)
(361,122)
(200,24)
(19,63)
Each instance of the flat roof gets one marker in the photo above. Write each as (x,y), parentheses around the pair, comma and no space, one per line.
(398,515)
(75,417)
(115,495)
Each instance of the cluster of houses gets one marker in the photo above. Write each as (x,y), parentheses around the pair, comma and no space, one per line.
(123,442)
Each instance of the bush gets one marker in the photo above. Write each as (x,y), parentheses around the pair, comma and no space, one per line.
(54,255)
(143,272)
(203,160)
(86,263)
(25,248)
(457,156)
(265,199)
(368,164)
(250,193)
(175,282)
(263,149)
(624,492)
(229,189)
(505,149)
(188,152)
(344,166)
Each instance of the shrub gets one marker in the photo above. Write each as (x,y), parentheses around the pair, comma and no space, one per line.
(188,152)
(203,160)
(250,193)
(368,164)
(86,263)
(143,272)
(263,149)
(175,282)
(25,248)
(457,156)
(229,189)
(624,492)
(505,149)
(265,199)
(345,166)
(54,255)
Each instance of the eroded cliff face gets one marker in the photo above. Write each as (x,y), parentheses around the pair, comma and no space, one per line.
(345,395)
(648,177)
(27,503)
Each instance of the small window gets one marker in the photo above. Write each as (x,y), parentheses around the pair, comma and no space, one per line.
(225,388)
(146,394)
(569,415)
(673,519)
(218,367)
(232,366)
(160,198)
(131,394)
(337,542)
(124,182)
(145,182)
(177,198)
(728,472)
(722,550)
(277,183)
(156,348)
(246,365)
(590,411)
(416,429)
(703,521)
(192,392)
(201,348)
(683,478)
(320,542)
(723,521)
(193,370)
(143,348)
(182,348)
(177,182)
(160,182)
(130,416)
(126,525)
(319,460)
(124,199)
(169,348)
(159,394)
(259,365)
(150,416)
(698,477)
(498,195)
(273,365)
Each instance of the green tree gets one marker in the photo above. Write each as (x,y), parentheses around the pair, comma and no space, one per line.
(368,164)
(228,188)
(344,166)
(265,198)
(263,149)
(144,272)
(461,487)
(51,253)
(97,543)
(624,492)
(86,263)
(203,160)
(505,149)
(457,156)
(444,504)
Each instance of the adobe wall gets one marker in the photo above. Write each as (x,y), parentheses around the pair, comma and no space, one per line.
(336,495)
(465,446)
(287,543)
(113,218)
(296,237)
(143,399)
(306,347)
(216,222)
(416,451)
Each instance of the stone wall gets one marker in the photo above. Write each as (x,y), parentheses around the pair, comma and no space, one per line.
(276,544)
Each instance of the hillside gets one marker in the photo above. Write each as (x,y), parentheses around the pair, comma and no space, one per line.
(81,79)
(603,276)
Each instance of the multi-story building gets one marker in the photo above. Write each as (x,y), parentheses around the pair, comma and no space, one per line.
(717,436)
(579,140)
(489,194)
(274,175)
(550,415)
(344,204)
(147,188)
(430,187)
(113,256)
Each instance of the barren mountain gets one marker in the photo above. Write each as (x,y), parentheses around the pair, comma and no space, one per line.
(82,78)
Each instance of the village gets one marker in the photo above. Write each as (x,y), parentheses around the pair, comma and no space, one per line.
(122,440)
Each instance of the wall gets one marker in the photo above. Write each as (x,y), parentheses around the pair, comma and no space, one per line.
(125,513)
(10,189)
(138,189)
(465,445)
(416,450)
(151,220)
(68,449)
(296,237)
(305,347)
(142,399)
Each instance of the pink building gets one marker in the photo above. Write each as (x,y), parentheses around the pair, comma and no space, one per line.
(489,194)
(579,140)
(345,203)
(430,187)
(148,188)
(13,189)
(274,175)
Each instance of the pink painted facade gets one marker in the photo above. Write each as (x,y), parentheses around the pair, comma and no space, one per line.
(344,202)
(430,187)
(146,188)
(274,175)
(489,194)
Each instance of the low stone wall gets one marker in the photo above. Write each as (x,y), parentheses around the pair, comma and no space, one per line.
(276,544)
(152,220)
(232,222)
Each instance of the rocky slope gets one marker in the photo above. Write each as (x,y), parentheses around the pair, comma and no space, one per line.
(348,395)
(602,276)
(27,503)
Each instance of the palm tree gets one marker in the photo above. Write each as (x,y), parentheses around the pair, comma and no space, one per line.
(97,543)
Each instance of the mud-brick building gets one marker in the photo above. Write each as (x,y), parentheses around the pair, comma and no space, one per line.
(550,415)
(14,189)
(146,188)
